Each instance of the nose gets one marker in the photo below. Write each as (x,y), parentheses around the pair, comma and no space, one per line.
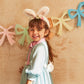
(35,31)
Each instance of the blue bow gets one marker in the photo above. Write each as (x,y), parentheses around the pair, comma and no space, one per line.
(79,13)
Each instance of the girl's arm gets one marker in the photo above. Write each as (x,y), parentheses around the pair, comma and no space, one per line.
(29,82)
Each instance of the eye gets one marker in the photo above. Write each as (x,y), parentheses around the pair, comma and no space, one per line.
(31,29)
(39,29)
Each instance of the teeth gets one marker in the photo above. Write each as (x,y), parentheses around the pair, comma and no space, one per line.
(35,36)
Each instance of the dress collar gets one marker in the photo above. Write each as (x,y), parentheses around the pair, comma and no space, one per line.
(32,44)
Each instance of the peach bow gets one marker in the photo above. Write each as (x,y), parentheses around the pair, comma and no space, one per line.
(61,21)
(6,33)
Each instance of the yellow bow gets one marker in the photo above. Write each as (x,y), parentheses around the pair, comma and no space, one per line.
(61,22)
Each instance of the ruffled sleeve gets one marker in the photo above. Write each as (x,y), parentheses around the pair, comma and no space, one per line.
(37,62)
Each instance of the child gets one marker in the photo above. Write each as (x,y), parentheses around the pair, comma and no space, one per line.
(37,70)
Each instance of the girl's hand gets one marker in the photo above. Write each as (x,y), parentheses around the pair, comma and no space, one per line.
(29,82)
(20,69)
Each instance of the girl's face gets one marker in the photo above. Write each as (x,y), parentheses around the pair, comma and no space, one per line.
(36,34)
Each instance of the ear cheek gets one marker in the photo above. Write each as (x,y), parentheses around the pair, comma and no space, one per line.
(29,31)
(46,32)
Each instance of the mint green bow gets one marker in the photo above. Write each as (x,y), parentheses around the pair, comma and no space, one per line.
(24,34)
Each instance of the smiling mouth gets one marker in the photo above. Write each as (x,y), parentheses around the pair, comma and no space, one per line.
(35,36)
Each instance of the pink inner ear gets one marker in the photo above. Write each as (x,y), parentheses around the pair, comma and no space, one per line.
(30,12)
(43,13)
(42,18)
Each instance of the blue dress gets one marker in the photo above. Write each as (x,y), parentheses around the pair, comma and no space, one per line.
(36,71)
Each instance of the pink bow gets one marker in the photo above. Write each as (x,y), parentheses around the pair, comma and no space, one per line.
(6,33)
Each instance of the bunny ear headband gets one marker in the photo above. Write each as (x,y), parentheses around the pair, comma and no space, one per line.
(40,14)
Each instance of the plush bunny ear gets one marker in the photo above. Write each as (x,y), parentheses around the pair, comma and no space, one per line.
(43,11)
(30,12)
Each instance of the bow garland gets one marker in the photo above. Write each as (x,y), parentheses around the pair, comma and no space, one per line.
(78,13)
(7,33)
(61,22)
(24,34)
